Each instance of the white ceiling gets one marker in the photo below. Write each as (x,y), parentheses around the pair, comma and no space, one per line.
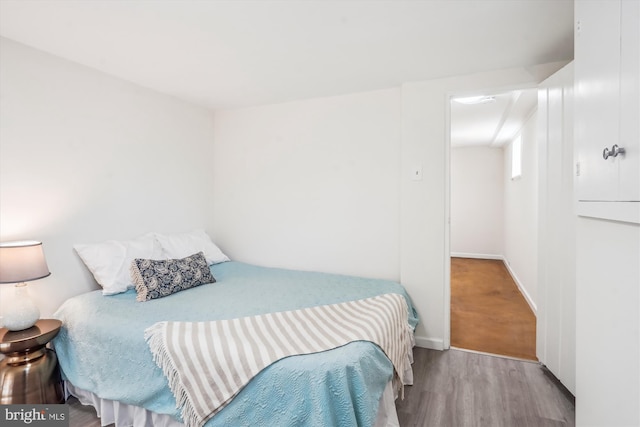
(226,54)
(493,123)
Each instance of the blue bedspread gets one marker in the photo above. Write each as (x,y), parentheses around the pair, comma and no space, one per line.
(101,348)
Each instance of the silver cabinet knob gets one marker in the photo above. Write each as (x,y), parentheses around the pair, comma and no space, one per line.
(615,150)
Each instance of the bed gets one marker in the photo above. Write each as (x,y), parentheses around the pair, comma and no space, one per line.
(107,363)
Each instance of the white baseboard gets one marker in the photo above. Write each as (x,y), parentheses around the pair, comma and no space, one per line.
(478,256)
(523,291)
(430,343)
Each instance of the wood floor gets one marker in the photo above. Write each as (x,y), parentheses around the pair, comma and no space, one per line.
(488,312)
(456,388)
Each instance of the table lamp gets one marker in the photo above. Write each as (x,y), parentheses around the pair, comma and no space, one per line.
(21,262)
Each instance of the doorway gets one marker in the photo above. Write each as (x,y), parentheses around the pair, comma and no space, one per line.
(493,227)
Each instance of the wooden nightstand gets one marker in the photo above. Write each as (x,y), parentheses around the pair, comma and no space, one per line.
(30,373)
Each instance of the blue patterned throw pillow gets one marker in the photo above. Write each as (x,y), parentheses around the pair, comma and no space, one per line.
(160,278)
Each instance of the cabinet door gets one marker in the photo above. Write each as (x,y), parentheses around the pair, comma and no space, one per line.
(607,108)
(597,102)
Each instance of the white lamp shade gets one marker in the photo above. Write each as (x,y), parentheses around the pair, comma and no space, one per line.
(22,262)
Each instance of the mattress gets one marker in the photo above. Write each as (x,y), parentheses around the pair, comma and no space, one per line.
(102,350)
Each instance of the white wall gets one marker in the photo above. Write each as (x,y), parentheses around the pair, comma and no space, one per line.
(477,198)
(321,184)
(607,323)
(311,185)
(85,157)
(326,184)
(521,214)
(556,290)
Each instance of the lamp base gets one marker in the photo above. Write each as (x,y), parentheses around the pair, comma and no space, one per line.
(21,313)
(36,381)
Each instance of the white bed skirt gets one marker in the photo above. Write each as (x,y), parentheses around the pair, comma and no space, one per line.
(123,415)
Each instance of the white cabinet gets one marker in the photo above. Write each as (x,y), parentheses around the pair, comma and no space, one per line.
(607,109)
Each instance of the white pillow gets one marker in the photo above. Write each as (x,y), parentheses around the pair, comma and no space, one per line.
(181,245)
(109,261)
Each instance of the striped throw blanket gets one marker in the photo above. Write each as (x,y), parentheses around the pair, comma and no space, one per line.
(208,363)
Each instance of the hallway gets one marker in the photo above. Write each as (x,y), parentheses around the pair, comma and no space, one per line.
(488,312)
